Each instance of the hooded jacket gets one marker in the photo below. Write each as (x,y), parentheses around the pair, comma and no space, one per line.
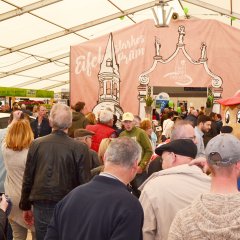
(78,121)
(210,216)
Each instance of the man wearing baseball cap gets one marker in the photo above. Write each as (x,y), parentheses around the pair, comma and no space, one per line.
(165,192)
(214,215)
(142,138)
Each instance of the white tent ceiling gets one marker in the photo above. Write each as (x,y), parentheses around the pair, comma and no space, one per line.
(37,35)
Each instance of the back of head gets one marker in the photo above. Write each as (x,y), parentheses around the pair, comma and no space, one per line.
(105,116)
(182,147)
(146,124)
(103,147)
(181,129)
(123,152)
(23,106)
(91,118)
(170,114)
(79,106)
(203,119)
(60,117)
(212,115)
(219,116)
(223,150)
(226,129)
(19,135)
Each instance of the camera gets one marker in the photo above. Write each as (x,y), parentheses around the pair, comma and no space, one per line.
(9,207)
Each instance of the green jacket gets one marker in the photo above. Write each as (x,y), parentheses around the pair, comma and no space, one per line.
(142,138)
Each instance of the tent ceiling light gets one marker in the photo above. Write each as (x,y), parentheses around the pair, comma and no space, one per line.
(162,13)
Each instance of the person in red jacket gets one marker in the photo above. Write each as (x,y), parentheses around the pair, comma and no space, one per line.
(103,129)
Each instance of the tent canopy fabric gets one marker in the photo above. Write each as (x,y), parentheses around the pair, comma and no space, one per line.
(37,35)
(234,100)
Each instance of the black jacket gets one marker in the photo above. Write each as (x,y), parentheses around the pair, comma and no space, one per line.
(43,130)
(3,223)
(55,165)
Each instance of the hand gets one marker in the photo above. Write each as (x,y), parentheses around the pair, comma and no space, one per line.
(139,170)
(28,217)
(200,162)
(17,115)
(4,203)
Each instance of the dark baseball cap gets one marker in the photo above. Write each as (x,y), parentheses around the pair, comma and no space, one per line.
(184,147)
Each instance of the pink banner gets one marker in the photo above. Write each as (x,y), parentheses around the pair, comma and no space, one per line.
(114,70)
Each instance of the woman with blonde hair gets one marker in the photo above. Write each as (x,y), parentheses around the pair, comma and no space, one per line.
(15,149)
(103,147)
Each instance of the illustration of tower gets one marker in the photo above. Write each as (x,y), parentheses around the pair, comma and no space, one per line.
(109,81)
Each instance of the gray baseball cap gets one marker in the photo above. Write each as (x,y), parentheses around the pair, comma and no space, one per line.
(223,150)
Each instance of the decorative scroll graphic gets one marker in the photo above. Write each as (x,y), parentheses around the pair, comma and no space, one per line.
(179,74)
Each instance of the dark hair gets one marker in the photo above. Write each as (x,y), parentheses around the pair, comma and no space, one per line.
(219,116)
(79,106)
(203,119)
(170,114)
(226,129)
(114,119)
(212,115)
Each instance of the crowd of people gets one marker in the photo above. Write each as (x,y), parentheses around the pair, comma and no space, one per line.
(77,175)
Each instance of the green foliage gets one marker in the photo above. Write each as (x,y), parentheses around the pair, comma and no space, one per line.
(209,102)
(148,100)
(185,10)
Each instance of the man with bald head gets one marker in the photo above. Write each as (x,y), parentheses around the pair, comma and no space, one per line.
(182,129)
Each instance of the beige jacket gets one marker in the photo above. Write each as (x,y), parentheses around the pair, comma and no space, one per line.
(165,192)
(15,162)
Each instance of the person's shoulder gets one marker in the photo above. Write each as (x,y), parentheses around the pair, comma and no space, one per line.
(92,152)
(123,133)
(77,144)
(155,181)
(126,199)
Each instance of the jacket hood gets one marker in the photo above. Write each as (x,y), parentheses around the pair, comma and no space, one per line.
(218,216)
(76,116)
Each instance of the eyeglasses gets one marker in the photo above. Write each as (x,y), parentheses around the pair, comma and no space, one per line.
(215,158)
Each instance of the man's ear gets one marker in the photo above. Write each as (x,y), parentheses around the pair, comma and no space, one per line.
(50,122)
(135,166)
(103,159)
(238,165)
(173,160)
